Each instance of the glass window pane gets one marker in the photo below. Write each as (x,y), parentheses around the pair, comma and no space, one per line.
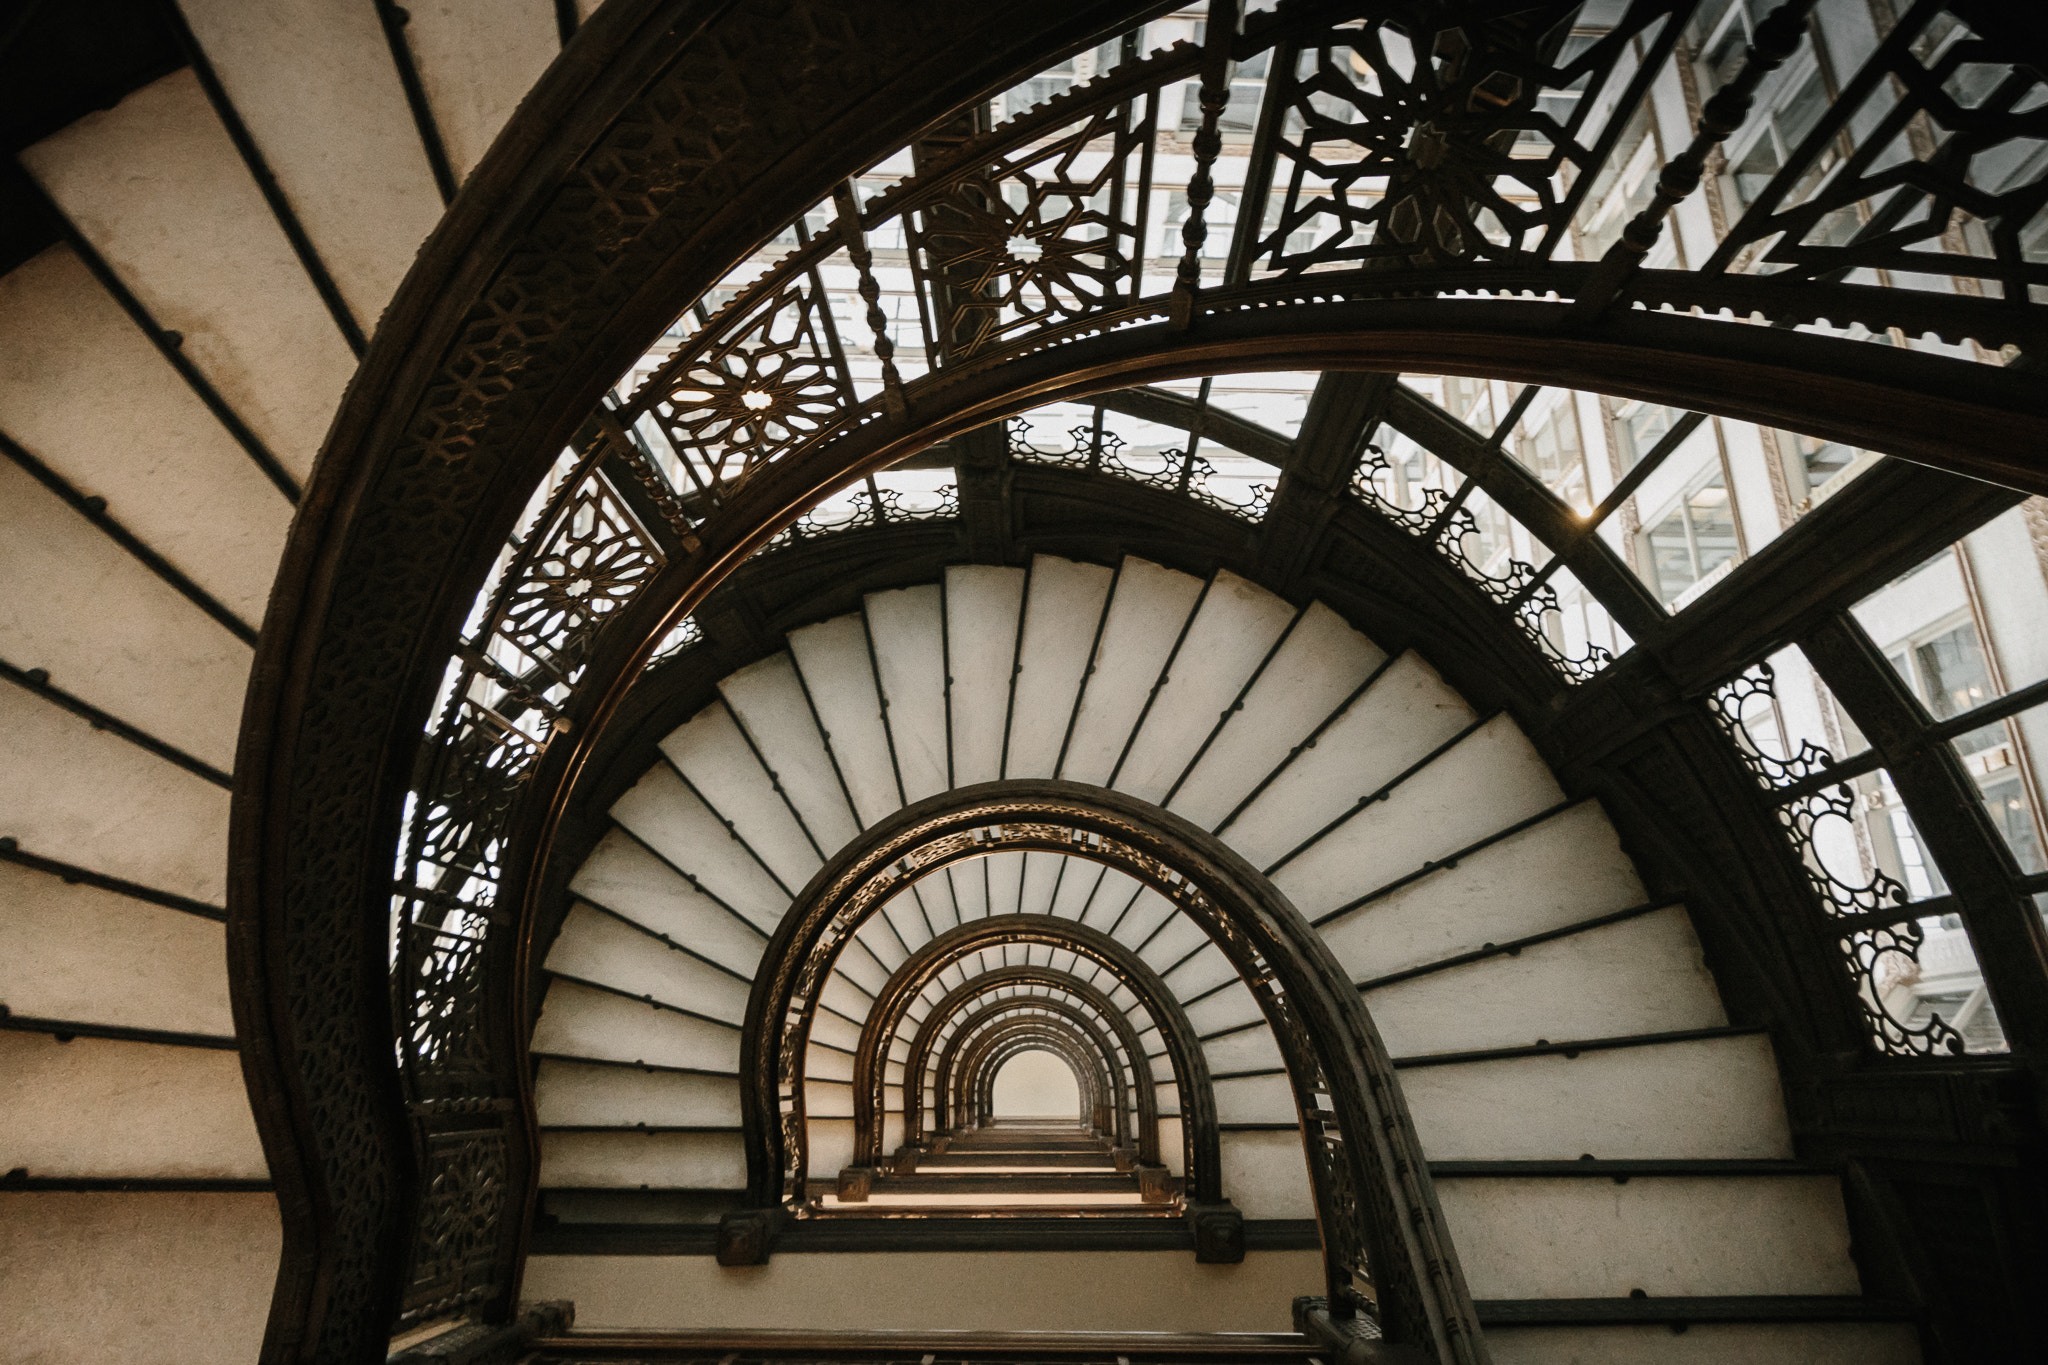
(1669,559)
(1895,848)
(2000,759)
(1276,401)
(1713,527)
(1816,469)
(1952,672)
(1969,624)
(1638,427)
(1546,442)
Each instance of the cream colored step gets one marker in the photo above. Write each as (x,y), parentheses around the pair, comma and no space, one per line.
(579,1093)
(86,393)
(109,631)
(1705,1098)
(717,760)
(1254,1099)
(1263,1173)
(833,660)
(1403,716)
(1230,636)
(86,797)
(1637,976)
(1062,606)
(177,1279)
(84,955)
(1227,1009)
(767,698)
(827,1064)
(825,1100)
(1147,614)
(1253,1049)
(831,1149)
(984,610)
(477,59)
(1560,871)
(1489,779)
(907,630)
(1172,1152)
(600,948)
(320,95)
(623,875)
(582,1021)
(1321,663)
(674,822)
(106,1109)
(830,1030)
(159,190)
(1669,1236)
(693,1161)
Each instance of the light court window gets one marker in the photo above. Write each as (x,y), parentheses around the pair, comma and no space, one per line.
(1947,670)
(1689,548)
(1550,448)
(1813,463)
(1622,188)
(1247,90)
(1778,134)
(1639,426)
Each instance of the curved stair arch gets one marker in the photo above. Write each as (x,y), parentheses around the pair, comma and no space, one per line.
(1553,1025)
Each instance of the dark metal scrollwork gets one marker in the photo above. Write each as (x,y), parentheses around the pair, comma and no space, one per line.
(1943,178)
(1540,616)
(586,556)
(1420,144)
(867,507)
(1036,238)
(1534,605)
(764,376)
(1878,955)
(1374,483)
(1822,819)
(1736,705)
(1172,470)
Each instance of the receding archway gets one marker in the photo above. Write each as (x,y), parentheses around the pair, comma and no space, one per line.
(1376,1208)
(1136,1117)
(1034,1084)
(1190,1069)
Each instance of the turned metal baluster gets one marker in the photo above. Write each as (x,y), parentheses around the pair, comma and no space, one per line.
(848,200)
(1216,65)
(1775,40)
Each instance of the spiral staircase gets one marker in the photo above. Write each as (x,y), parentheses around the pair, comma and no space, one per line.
(1605,1145)
(196,260)
(206,258)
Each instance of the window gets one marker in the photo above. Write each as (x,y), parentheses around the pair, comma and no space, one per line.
(1947,671)
(1623,188)
(1950,673)
(1549,447)
(1638,427)
(1470,401)
(1778,135)
(1690,543)
(1811,462)
(1247,91)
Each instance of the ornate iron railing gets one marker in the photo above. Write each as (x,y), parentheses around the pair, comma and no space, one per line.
(1379,168)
